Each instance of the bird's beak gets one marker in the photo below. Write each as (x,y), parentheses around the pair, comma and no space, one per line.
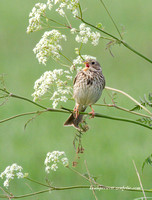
(86,66)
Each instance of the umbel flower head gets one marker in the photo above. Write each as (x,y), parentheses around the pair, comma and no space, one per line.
(35,17)
(49,46)
(55,83)
(85,34)
(53,159)
(71,5)
(39,10)
(11,172)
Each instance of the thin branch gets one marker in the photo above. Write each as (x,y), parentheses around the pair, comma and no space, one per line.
(117,39)
(22,98)
(93,191)
(66,57)
(80,11)
(69,110)
(76,187)
(20,115)
(52,20)
(37,182)
(83,113)
(75,171)
(130,97)
(120,119)
(123,109)
(111,18)
(139,180)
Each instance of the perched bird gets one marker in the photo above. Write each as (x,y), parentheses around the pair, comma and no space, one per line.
(87,88)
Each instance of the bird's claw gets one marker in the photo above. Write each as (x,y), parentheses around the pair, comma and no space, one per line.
(76,111)
(92,113)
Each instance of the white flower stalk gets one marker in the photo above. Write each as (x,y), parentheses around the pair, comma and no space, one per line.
(56,84)
(53,159)
(11,172)
(49,46)
(35,17)
(79,61)
(85,34)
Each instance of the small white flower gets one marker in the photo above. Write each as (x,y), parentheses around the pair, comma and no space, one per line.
(63,98)
(65,161)
(69,77)
(85,35)
(49,4)
(53,158)
(6,183)
(49,46)
(10,173)
(54,167)
(60,11)
(55,102)
(79,61)
(35,16)
(95,36)
(73,30)
(51,82)
(47,169)
(19,175)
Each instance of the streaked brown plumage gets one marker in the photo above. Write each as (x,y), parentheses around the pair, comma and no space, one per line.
(87,89)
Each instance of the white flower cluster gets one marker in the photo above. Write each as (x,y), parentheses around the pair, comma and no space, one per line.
(40,8)
(71,5)
(79,61)
(10,173)
(86,34)
(51,82)
(35,16)
(53,158)
(49,46)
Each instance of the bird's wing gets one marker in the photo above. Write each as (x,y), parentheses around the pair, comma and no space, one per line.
(75,79)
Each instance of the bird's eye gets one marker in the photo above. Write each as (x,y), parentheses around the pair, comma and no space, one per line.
(93,63)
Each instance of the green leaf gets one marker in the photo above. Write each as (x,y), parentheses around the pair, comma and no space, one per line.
(145,120)
(91,176)
(147,161)
(144,102)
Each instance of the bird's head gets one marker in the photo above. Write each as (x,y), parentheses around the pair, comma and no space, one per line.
(91,64)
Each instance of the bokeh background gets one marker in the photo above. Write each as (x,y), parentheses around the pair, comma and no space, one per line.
(110,146)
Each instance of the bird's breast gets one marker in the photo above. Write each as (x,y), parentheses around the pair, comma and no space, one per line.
(88,88)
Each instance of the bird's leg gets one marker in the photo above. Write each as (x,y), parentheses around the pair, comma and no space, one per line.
(92,112)
(76,110)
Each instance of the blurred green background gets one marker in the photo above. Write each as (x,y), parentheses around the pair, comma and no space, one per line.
(110,146)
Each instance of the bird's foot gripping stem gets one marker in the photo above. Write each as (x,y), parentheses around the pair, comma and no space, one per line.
(76,111)
(92,112)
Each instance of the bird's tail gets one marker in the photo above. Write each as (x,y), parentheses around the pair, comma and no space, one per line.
(73,121)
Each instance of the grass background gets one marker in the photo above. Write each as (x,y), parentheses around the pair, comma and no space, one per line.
(110,146)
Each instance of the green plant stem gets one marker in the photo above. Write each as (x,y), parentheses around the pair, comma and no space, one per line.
(19,115)
(100,187)
(52,20)
(117,39)
(65,110)
(111,18)
(75,171)
(65,57)
(130,97)
(121,119)
(37,182)
(123,109)
(139,180)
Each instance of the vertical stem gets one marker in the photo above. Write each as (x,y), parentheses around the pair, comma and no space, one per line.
(111,18)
